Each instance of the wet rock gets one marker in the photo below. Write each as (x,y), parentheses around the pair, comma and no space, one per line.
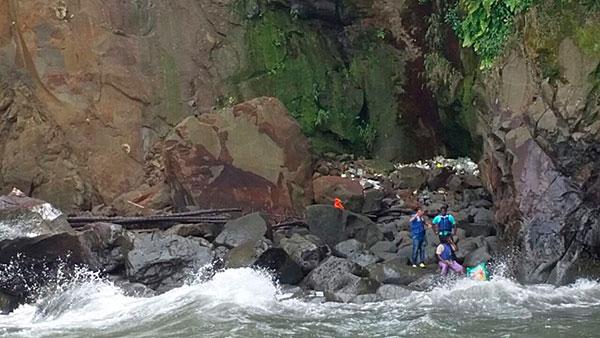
(328,188)
(162,261)
(332,274)
(132,289)
(395,272)
(366,298)
(480,255)
(251,227)
(352,287)
(7,303)
(388,291)
(306,253)
(333,225)
(247,253)
(265,157)
(384,249)
(409,178)
(281,265)
(425,282)
(22,216)
(107,244)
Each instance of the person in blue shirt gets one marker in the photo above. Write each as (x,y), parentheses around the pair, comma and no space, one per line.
(445,224)
(419,240)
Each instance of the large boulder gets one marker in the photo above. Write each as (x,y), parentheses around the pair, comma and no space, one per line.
(163,261)
(409,178)
(277,261)
(252,155)
(332,274)
(352,289)
(37,241)
(355,251)
(334,225)
(251,227)
(22,216)
(246,253)
(396,271)
(349,191)
(306,253)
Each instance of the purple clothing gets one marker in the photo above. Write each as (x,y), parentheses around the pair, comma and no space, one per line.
(454,266)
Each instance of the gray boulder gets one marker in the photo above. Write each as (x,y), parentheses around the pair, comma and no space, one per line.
(372,200)
(25,217)
(251,227)
(277,261)
(355,251)
(332,274)
(352,288)
(163,261)
(425,282)
(395,272)
(438,178)
(247,253)
(306,253)
(409,178)
(208,231)
(334,225)
(389,291)
(481,255)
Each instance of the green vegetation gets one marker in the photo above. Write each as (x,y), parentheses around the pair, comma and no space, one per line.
(486,25)
(342,102)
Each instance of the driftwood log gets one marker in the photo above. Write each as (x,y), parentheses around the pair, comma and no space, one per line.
(213,216)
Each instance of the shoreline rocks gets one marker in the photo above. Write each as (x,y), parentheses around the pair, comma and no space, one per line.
(349,256)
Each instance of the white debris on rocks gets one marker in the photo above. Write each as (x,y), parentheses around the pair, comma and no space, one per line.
(461,165)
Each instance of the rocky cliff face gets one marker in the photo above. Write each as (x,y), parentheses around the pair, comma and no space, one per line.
(90,89)
(542,146)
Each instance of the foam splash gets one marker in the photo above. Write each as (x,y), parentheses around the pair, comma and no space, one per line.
(246,300)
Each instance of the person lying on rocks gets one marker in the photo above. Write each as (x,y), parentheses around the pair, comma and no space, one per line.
(444,224)
(419,240)
(445,252)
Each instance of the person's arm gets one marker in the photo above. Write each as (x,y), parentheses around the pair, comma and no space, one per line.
(435,222)
(413,217)
(453,222)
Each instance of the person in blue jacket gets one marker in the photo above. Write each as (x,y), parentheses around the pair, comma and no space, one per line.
(419,240)
(445,224)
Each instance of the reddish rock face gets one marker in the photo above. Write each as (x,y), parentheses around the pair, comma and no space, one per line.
(327,188)
(252,156)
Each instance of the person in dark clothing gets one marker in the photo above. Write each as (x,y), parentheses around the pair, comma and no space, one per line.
(419,240)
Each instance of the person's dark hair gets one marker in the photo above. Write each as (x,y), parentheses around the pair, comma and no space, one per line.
(418,208)
(444,208)
(444,240)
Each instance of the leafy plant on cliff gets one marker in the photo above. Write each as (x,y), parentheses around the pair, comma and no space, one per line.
(486,25)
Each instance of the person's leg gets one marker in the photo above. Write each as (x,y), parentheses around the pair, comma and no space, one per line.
(443,267)
(422,248)
(415,248)
(457,267)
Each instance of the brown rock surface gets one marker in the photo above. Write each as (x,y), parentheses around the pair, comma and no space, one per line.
(328,188)
(252,156)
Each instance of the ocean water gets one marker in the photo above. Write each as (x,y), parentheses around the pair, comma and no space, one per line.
(247,303)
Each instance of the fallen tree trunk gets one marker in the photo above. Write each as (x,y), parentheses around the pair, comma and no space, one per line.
(214,216)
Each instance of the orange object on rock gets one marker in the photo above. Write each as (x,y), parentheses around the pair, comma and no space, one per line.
(337,203)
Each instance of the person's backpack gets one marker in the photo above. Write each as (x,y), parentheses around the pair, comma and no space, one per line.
(445,224)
